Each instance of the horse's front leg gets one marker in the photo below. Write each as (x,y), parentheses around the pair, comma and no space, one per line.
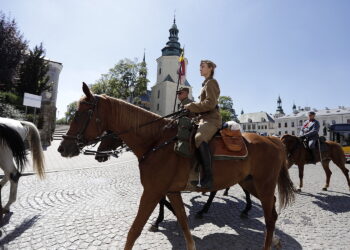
(206,206)
(14,178)
(149,201)
(177,204)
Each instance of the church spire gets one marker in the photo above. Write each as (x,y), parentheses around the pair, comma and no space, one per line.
(172,47)
(144,56)
(279,110)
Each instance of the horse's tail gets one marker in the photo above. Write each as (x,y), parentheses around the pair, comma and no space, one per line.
(15,143)
(286,188)
(36,148)
(337,153)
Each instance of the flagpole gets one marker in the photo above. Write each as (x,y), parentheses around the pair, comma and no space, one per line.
(179,78)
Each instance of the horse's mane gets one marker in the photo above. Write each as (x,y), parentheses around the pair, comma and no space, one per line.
(134,116)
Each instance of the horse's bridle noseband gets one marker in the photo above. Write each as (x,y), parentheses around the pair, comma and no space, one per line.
(79,138)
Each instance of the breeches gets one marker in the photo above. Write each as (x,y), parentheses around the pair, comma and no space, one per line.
(312,143)
(205,132)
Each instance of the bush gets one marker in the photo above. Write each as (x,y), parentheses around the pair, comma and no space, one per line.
(10,111)
(11,98)
(62,121)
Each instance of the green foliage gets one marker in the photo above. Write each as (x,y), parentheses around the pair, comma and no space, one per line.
(33,73)
(227,111)
(71,108)
(117,81)
(11,98)
(62,121)
(12,46)
(226,115)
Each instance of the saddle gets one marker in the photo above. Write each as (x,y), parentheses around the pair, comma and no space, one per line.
(228,145)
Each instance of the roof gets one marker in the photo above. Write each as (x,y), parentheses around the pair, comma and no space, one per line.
(321,112)
(187,83)
(168,78)
(255,117)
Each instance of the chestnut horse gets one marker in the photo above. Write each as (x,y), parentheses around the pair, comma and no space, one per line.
(112,142)
(299,155)
(163,172)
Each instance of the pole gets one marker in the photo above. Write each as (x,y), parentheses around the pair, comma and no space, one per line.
(178,80)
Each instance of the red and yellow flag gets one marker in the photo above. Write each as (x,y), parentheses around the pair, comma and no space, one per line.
(182,63)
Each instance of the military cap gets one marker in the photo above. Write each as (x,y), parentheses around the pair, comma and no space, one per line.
(183,89)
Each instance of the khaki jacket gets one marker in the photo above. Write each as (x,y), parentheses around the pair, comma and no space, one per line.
(207,107)
(184,102)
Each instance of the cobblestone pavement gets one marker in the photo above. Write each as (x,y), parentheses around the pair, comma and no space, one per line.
(83,204)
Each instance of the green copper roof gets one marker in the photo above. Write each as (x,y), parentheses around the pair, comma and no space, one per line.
(172,47)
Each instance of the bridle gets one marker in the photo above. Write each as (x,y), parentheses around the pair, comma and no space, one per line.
(79,138)
(81,142)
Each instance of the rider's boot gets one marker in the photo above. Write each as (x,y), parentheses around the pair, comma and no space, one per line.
(205,155)
(314,155)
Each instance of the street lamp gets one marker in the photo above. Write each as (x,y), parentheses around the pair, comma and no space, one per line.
(132,89)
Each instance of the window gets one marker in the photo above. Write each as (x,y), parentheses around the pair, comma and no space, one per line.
(348,121)
(160,71)
(258,126)
(158,106)
(293,133)
(248,127)
(279,132)
(324,122)
(265,126)
(158,94)
(285,125)
(292,124)
(333,122)
(244,127)
(279,124)
(301,123)
(285,132)
(250,120)
(253,126)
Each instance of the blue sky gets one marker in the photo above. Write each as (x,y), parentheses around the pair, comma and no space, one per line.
(297,49)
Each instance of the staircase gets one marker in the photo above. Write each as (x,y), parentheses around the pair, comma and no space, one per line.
(59,131)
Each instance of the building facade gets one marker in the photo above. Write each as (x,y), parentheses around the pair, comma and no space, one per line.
(292,123)
(258,122)
(163,93)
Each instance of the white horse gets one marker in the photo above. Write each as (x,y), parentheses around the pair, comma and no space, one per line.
(13,152)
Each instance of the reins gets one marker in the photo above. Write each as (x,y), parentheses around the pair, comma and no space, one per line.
(81,143)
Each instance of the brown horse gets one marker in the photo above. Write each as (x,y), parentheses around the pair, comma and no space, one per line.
(259,173)
(299,155)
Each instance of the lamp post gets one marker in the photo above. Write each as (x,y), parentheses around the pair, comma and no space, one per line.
(132,89)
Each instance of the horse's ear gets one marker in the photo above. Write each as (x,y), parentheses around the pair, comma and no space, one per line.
(86,90)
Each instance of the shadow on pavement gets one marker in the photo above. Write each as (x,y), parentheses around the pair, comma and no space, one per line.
(333,203)
(26,224)
(239,233)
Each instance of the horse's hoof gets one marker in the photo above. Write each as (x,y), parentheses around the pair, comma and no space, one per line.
(199,216)
(299,190)
(244,215)
(226,194)
(324,189)
(153,228)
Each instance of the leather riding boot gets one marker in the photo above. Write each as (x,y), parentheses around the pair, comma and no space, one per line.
(205,155)
(314,155)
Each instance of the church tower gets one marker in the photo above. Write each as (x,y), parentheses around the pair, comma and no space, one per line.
(164,90)
(279,111)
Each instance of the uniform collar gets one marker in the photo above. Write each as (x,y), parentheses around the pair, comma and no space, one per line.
(206,80)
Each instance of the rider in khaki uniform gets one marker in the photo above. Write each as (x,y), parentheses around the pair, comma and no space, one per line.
(182,95)
(209,119)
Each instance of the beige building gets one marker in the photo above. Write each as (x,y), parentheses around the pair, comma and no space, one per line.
(258,122)
(292,123)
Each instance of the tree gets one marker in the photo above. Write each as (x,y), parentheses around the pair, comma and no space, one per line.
(71,109)
(33,73)
(227,111)
(12,47)
(117,81)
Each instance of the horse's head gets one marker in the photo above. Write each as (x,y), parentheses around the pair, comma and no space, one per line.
(110,142)
(291,142)
(88,124)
